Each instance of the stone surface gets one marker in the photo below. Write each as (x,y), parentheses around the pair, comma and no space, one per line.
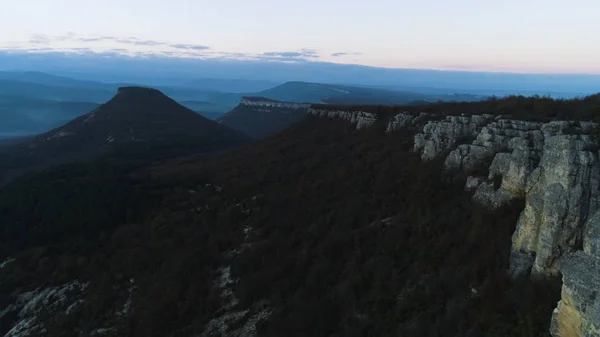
(400,121)
(578,311)
(440,136)
(591,236)
(361,119)
(473,183)
(562,198)
(467,157)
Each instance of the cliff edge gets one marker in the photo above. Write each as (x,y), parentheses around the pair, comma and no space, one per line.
(554,166)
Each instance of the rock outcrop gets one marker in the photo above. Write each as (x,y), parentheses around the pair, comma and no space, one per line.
(400,121)
(578,311)
(361,119)
(437,137)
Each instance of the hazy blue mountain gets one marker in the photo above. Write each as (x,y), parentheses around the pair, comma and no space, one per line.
(53,92)
(53,80)
(23,115)
(329,93)
(230,85)
(31,85)
(340,94)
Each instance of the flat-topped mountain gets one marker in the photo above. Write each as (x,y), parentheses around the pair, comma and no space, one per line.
(306,92)
(136,117)
(260,117)
(338,94)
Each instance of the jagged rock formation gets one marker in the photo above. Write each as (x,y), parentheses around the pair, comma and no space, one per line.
(555,168)
(578,311)
(361,119)
(439,136)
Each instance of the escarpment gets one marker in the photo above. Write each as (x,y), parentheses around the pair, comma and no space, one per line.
(554,167)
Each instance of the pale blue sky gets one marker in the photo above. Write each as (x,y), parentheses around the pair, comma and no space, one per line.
(508,35)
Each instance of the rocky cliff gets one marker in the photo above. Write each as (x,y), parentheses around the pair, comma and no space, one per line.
(554,166)
(361,119)
(262,102)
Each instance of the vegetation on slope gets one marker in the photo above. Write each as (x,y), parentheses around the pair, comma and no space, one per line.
(352,235)
(534,108)
(261,122)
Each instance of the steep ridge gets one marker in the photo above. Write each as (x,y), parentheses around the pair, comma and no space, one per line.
(136,120)
(332,227)
(260,117)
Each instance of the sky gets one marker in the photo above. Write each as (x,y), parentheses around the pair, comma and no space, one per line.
(526,36)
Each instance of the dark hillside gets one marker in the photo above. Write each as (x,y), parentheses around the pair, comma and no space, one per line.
(347,222)
(333,231)
(263,121)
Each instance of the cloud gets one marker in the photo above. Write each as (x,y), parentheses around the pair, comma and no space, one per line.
(284,54)
(134,46)
(301,55)
(189,46)
(136,42)
(90,39)
(39,39)
(339,54)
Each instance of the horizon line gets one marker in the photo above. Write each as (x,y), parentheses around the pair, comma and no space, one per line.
(158,56)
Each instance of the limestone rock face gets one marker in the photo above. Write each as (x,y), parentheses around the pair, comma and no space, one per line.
(561,199)
(361,119)
(591,236)
(466,157)
(440,136)
(578,311)
(400,121)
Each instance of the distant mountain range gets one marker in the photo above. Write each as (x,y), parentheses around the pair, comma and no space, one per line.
(25,115)
(34,102)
